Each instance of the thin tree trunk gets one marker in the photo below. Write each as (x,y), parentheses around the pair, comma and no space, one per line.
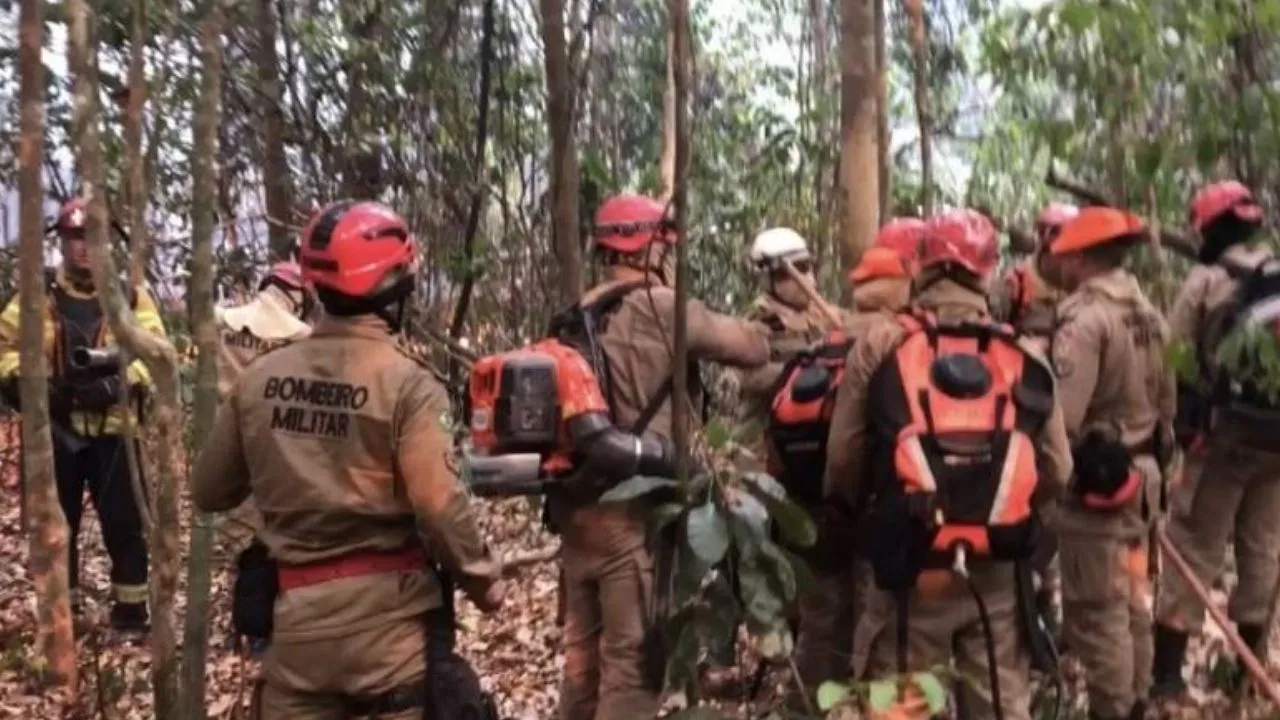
(135,175)
(859,172)
(920,69)
(155,351)
(682,411)
(48,527)
(275,164)
(195,639)
(564,154)
(885,135)
(667,164)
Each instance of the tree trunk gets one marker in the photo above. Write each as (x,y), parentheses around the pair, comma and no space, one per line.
(275,164)
(48,527)
(667,164)
(920,69)
(135,195)
(564,154)
(859,172)
(362,174)
(195,639)
(155,351)
(682,410)
(884,136)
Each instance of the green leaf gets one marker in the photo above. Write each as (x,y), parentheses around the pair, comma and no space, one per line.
(932,689)
(717,435)
(635,487)
(797,528)
(882,694)
(762,604)
(830,694)
(708,533)
(767,484)
(784,575)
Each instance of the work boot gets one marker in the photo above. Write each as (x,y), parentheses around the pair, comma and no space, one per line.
(1252,635)
(129,617)
(1166,670)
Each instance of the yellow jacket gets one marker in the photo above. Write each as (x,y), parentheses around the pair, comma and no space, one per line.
(90,424)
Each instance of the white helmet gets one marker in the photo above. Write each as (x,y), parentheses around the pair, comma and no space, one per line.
(777,244)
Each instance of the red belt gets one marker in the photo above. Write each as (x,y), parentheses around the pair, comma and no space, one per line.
(352,565)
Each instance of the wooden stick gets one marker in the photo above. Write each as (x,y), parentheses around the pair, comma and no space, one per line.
(812,292)
(1243,651)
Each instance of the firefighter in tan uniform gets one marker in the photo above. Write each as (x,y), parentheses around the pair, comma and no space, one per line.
(946,571)
(794,321)
(1242,500)
(608,569)
(1118,401)
(270,320)
(88,413)
(341,440)
(881,284)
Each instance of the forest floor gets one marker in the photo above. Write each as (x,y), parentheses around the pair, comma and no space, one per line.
(515,652)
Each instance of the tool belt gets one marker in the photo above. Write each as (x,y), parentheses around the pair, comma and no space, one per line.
(355,564)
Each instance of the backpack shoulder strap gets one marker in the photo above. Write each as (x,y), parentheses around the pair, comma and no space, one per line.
(651,408)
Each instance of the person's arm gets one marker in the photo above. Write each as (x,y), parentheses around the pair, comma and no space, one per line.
(148,316)
(725,339)
(847,438)
(1078,345)
(220,478)
(425,466)
(9,360)
(1187,314)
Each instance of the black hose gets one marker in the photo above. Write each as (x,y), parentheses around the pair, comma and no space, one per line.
(992,669)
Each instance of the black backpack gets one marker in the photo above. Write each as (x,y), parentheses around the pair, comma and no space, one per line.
(1257,298)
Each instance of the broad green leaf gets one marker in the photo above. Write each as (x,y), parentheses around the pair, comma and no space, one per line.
(830,694)
(797,528)
(747,507)
(635,487)
(882,694)
(932,689)
(708,533)
(762,604)
(766,483)
(682,663)
(805,581)
(783,574)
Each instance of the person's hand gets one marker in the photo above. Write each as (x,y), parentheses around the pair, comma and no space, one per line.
(491,600)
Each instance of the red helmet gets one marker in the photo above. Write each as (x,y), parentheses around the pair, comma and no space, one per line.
(1051,219)
(628,223)
(961,237)
(903,235)
(1230,196)
(72,216)
(285,274)
(357,249)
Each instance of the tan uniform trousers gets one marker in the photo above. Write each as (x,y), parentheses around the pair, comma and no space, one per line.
(1232,490)
(1106,619)
(828,617)
(947,625)
(301,676)
(606,599)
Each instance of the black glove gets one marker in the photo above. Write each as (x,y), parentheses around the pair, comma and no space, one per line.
(97,395)
(1102,466)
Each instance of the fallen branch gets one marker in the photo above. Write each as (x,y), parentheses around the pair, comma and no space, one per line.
(515,562)
(1256,671)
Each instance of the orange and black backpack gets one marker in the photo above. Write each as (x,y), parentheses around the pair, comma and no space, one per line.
(800,417)
(953,414)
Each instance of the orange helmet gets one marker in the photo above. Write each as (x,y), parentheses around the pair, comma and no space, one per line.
(629,223)
(903,235)
(359,250)
(1214,201)
(960,237)
(879,262)
(1094,227)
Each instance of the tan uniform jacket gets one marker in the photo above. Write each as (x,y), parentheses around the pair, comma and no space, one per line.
(342,440)
(1108,354)
(247,331)
(639,343)
(790,331)
(847,445)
